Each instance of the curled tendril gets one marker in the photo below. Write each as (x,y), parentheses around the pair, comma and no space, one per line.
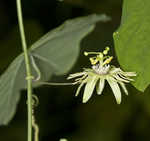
(36,69)
(35,101)
(39,75)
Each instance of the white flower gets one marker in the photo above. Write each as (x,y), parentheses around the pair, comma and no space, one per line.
(101,72)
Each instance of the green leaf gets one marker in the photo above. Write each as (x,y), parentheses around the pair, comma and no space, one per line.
(55,53)
(132,42)
(10,84)
(59,48)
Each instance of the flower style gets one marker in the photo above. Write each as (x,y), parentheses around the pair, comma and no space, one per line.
(100,71)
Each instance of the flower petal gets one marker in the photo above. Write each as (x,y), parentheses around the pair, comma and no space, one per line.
(123,87)
(128,73)
(100,86)
(78,74)
(114,70)
(125,77)
(118,78)
(89,88)
(79,88)
(115,88)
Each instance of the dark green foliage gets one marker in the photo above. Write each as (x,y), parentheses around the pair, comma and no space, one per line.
(132,42)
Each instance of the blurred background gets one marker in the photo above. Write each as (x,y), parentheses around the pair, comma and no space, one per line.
(60,114)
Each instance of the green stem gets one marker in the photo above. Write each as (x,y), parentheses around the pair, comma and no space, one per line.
(55,83)
(28,70)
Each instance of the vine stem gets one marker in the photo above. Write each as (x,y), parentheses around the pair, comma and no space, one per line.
(28,70)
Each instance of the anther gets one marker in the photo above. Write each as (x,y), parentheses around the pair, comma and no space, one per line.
(93,61)
(107,61)
(85,53)
(107,48)
(105,52)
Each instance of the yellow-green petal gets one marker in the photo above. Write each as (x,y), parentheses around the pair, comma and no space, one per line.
(89,88)
(115,88)
(78,74)
(123,87)
(79,88)
(100,86)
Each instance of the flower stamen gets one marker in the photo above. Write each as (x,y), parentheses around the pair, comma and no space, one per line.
(100,72)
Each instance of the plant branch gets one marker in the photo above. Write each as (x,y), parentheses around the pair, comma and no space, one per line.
(28,70)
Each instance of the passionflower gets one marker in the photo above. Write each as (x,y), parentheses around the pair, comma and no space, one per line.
(100,72)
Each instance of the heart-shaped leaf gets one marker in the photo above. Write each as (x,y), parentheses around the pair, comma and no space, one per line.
(59,48)
(132,42)
(54,53)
